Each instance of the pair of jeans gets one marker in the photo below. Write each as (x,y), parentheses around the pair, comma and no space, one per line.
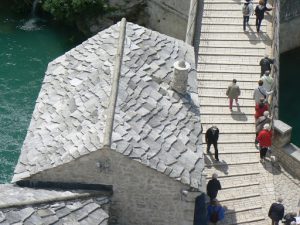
(215,144)
(258,23)
(245,22)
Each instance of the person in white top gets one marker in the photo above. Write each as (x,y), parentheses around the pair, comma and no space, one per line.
(260,92)
(268,81)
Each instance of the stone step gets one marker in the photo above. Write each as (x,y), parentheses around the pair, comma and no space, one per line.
(234,119)
(238,192)
(224,110)
(244,218)
(243,44)
(229,160)
(235,138)
(235,174)
(229,76)
(240,2)
(228,68)
(232,28)
(244,184)
(238,196)
(238,110)
(231,128)
(233,147)
(234,178)
(223,7)
(228,59)
(225,14)
(246,36)
(250,54)
(205,93)
(219,84)
(206,20)
(221,93)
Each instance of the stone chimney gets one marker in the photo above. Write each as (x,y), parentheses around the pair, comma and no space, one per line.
(180,76)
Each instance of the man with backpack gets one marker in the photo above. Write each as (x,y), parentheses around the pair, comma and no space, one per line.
(215,212)
(247,11)
(265,64)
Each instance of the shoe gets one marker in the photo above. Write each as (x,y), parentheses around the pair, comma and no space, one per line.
(217,160)
(208,152)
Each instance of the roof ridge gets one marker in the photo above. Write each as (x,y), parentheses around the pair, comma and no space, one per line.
(110,112)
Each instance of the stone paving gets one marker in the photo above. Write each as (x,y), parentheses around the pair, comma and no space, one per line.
(226,52)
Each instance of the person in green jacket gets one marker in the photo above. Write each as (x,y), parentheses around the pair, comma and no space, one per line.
(233,92)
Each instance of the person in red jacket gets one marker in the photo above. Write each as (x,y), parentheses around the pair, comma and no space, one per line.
(260,108)
(265,141)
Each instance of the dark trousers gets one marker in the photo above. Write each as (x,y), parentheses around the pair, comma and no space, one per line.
(275,222)
(265,2)
(245,22)
(258,23)
(215,144)
(263,152)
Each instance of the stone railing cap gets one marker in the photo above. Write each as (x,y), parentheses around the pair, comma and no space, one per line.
(281,127)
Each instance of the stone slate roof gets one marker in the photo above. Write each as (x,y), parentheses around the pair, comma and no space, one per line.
(30,206)
(152,124)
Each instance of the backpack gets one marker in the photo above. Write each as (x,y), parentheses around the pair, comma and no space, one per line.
(214,217)
(246,10)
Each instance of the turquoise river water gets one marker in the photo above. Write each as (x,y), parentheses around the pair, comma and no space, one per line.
(26,47)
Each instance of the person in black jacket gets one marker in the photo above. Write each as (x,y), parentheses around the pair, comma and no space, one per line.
(260,13)
(265,64)
(213,186)
(276,212)
(211,137)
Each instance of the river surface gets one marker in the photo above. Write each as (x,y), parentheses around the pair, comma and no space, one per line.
(289,97)
(26,47)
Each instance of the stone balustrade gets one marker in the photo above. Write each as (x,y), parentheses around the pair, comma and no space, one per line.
(287,153)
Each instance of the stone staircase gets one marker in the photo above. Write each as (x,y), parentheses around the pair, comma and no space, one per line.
(226,52)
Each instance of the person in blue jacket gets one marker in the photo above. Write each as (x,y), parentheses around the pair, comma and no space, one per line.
(215,212)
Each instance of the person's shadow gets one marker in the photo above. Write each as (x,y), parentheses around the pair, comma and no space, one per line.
(238,115)
(210,161)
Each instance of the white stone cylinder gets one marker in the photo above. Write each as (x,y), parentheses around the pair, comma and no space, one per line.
(180,76)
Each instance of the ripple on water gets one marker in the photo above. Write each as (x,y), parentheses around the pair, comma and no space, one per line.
(23,60)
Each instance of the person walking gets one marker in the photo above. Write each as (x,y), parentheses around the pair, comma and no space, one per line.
(276,211)
(233,92)
(247,10)
(260,92)
(260,108)
(260,122)
(211,137)
(265,64)
(264,139)
(260,13)
(267,81)
(215,212)
(213,186)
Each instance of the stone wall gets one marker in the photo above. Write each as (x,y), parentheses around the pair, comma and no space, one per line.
(275,54)
(169,17)
(141,195)
(290,23)
(290,35)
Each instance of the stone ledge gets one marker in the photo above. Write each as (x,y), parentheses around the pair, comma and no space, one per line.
(289,157)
